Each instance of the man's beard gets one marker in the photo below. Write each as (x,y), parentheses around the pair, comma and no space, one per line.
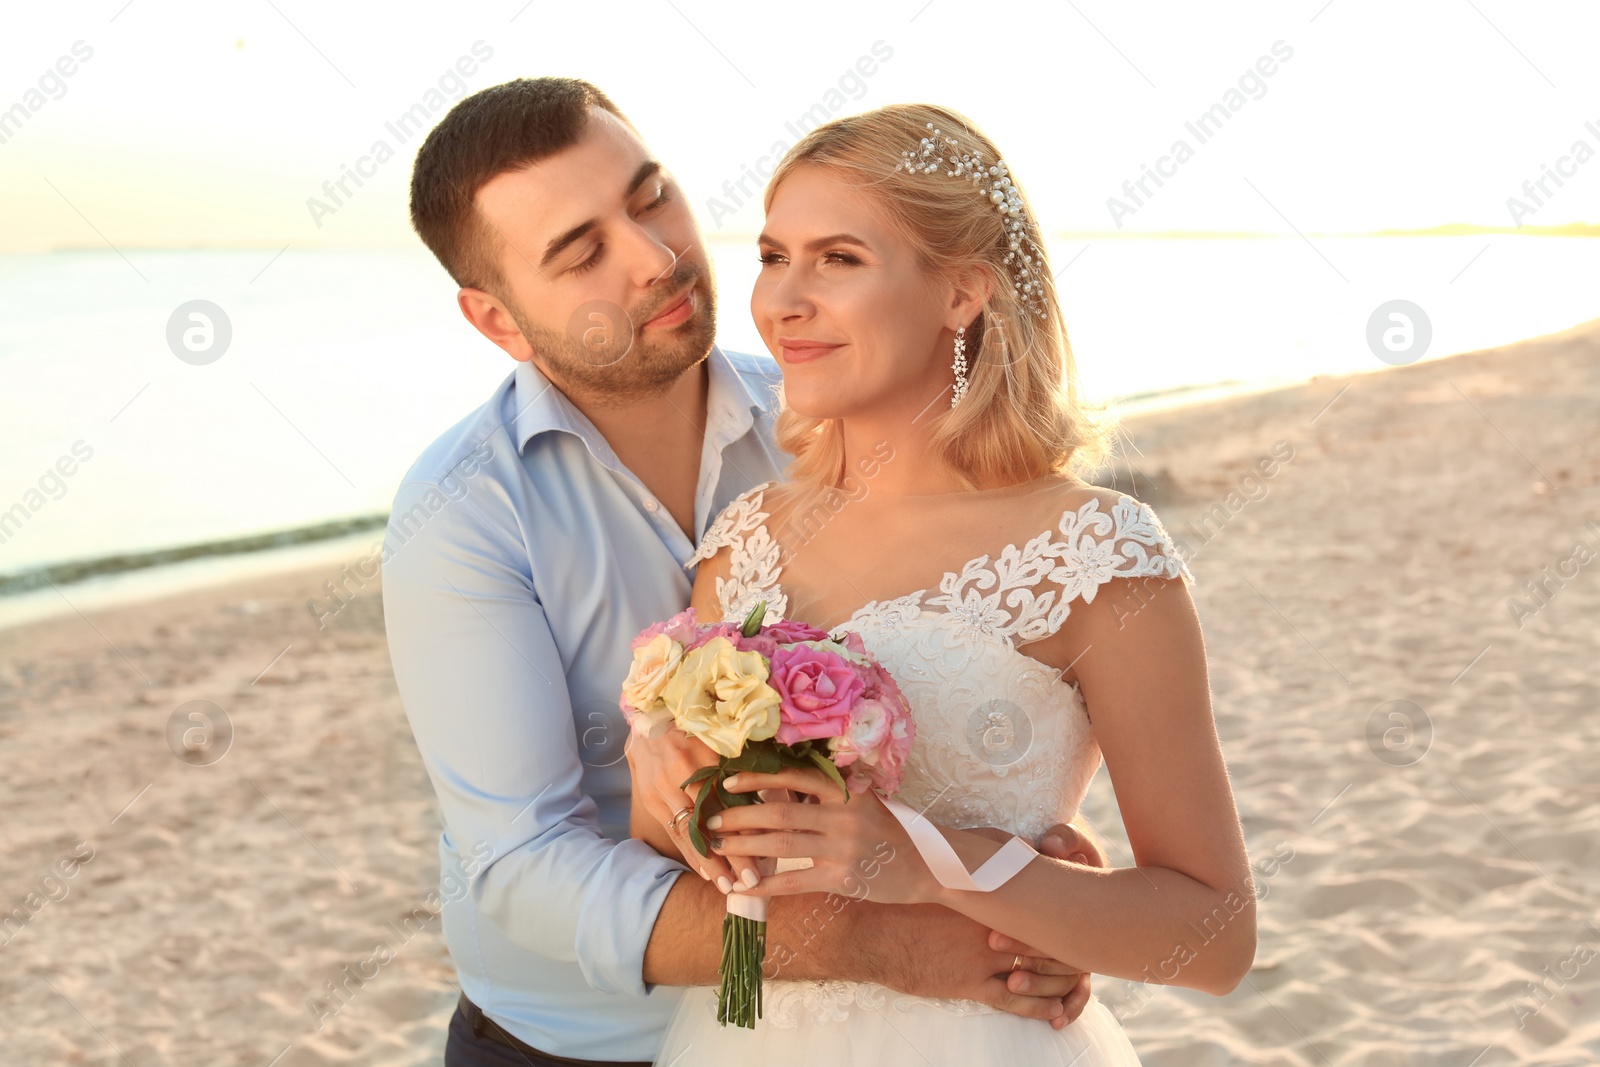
(604,357)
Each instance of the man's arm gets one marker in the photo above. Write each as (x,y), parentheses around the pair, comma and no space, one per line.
(827,936)
(483,686)
(925,950)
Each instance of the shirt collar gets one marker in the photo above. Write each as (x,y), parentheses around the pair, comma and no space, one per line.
(731,404)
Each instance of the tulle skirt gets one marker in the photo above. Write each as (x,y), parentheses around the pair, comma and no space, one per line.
(840,1024)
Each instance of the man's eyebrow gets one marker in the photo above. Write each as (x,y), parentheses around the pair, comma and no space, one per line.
(646,170)
(557,246)
(812,246)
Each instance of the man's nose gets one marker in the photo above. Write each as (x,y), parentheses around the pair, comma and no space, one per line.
(670,267)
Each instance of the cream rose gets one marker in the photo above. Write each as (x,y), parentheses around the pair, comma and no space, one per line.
(721,696)
(654,664)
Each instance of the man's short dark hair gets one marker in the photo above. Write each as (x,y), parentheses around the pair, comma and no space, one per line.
(498,129)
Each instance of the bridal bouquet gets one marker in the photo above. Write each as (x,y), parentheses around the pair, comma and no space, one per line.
(763,698)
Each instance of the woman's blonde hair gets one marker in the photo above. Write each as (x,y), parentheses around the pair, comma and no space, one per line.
(1023,412)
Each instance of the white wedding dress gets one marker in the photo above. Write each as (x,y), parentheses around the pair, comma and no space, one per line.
(1001,741)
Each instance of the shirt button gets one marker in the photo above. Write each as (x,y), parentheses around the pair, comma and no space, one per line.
(651,505)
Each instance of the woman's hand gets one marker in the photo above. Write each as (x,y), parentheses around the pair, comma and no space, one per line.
(857,848)
(659,767)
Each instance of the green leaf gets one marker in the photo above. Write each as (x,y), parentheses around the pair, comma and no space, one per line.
(795,757)
(699,776)
(758,756)
(752,622)
(697,836)
(831,771)
(736,800)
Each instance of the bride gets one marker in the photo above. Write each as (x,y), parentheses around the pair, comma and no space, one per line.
(1035,623)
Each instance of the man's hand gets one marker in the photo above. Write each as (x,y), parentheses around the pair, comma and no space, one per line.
(935,952)
(931,951)
(1040,976)
(659,767)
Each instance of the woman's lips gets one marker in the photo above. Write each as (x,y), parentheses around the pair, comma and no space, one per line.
(805,351)
(677,313)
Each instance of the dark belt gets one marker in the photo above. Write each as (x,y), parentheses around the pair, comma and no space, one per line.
(483,1026)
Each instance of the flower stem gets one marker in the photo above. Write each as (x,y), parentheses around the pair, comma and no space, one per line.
(744,946)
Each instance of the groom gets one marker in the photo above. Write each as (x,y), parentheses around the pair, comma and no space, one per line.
(534,539)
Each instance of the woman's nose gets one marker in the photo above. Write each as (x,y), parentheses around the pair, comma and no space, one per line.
(789,298)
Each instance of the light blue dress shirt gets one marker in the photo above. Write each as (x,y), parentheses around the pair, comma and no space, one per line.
(521,558)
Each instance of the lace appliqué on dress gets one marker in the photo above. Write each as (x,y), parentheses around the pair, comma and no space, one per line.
(753,563)
(1094,548)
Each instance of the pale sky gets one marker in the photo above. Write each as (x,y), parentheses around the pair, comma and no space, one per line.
(207,124)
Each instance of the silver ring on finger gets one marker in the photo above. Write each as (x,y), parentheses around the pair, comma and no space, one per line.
(1016,964)
(677,817)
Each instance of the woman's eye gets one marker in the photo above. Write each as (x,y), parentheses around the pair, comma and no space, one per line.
(841,257)
(769,258)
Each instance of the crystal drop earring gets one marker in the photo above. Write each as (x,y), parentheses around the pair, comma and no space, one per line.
(960,367)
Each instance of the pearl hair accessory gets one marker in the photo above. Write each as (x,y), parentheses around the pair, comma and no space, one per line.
(993,181)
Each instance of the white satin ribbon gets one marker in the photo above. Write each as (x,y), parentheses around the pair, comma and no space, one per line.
(936,852)
(947,867)
(755,908)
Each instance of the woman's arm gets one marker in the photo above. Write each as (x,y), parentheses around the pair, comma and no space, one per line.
(1184,916)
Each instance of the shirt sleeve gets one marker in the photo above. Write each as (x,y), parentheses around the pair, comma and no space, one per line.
(482,682)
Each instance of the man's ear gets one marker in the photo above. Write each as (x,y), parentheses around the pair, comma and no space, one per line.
(489,316)
(969,294)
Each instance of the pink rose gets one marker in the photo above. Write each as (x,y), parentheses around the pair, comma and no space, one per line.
(816,691)
(892,755)
(883,684)
(788,631)
(730,630)
(877,743)
(682,628)
(775,634)
(762,643)
(869,726)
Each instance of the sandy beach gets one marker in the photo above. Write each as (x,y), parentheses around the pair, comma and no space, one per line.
(1402,620)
